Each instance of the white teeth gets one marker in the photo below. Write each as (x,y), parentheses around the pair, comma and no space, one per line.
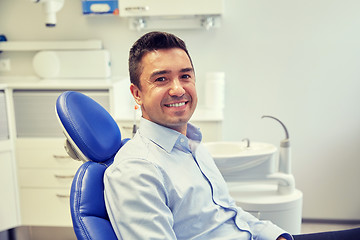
(176,104)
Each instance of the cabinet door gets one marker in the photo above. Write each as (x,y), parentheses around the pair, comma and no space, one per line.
(45,207)
(9,216)
(35,111)
(45,175)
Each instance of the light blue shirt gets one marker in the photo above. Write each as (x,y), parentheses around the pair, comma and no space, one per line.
(164,185)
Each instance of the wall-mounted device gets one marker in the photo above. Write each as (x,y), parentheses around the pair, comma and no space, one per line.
(51,7)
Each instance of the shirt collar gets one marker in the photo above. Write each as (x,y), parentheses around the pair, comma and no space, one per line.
(165,137)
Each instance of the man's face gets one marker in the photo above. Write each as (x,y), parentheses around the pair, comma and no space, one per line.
(168,95)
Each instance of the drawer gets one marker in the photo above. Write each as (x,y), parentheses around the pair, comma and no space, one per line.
(46,178)
(43,153)
(45,207)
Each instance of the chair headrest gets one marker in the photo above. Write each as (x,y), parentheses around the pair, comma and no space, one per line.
(88,126)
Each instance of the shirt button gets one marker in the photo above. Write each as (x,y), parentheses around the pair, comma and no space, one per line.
(182,140)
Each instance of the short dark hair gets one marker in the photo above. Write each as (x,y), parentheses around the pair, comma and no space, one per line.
(150,42)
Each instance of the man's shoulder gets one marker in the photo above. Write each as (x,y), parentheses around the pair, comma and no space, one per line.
(131,152)
(137,157)
(137,147)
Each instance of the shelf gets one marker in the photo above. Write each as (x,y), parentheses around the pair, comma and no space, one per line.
(50,45)
(62,84)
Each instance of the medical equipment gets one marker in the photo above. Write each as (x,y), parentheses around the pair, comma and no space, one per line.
(92,136)
(51,7)
(257,186)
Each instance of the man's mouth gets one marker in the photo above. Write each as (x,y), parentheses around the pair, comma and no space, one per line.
(176,104)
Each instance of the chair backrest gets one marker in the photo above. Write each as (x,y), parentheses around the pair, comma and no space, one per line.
(93,137)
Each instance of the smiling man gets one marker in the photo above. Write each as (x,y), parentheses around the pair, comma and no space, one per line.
(166,90)
(163,183)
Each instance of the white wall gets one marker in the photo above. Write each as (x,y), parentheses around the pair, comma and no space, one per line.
(296,60)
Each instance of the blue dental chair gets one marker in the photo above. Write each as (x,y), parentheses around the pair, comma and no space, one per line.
(92,136)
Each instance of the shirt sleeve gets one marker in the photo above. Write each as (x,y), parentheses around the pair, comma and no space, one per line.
(260,229)
(136,199)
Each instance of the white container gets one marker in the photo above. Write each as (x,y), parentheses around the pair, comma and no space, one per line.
(92,64)
(215,90)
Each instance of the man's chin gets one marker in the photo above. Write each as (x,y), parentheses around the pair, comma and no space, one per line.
(177,124)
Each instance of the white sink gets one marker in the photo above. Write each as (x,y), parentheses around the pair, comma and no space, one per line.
(236,161)
(236,149)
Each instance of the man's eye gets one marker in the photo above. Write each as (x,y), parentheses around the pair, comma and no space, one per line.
(185,76)
(160,79)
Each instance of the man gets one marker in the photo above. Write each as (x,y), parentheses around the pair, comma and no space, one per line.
(163,183)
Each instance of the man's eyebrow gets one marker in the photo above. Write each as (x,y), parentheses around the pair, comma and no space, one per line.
(161,72)
(187,70)
(157,73)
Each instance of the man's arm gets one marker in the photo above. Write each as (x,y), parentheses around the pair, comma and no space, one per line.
(136,201)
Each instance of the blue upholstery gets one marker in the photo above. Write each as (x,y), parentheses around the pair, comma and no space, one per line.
(95,138)
(89,125)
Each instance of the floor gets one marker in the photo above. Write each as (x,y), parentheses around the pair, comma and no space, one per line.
(40,233)
(45,233)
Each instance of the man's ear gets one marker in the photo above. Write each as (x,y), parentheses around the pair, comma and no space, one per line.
(136,92)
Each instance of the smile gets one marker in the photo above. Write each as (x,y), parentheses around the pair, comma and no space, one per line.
(175,104)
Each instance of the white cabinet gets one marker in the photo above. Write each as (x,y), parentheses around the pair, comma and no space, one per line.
(140,8)
(9,203)
(171,14)
(45,171)
(45,175)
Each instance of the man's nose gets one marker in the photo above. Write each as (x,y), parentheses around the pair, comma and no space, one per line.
(176,88)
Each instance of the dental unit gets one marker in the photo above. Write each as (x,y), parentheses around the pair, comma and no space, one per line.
(258,183)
